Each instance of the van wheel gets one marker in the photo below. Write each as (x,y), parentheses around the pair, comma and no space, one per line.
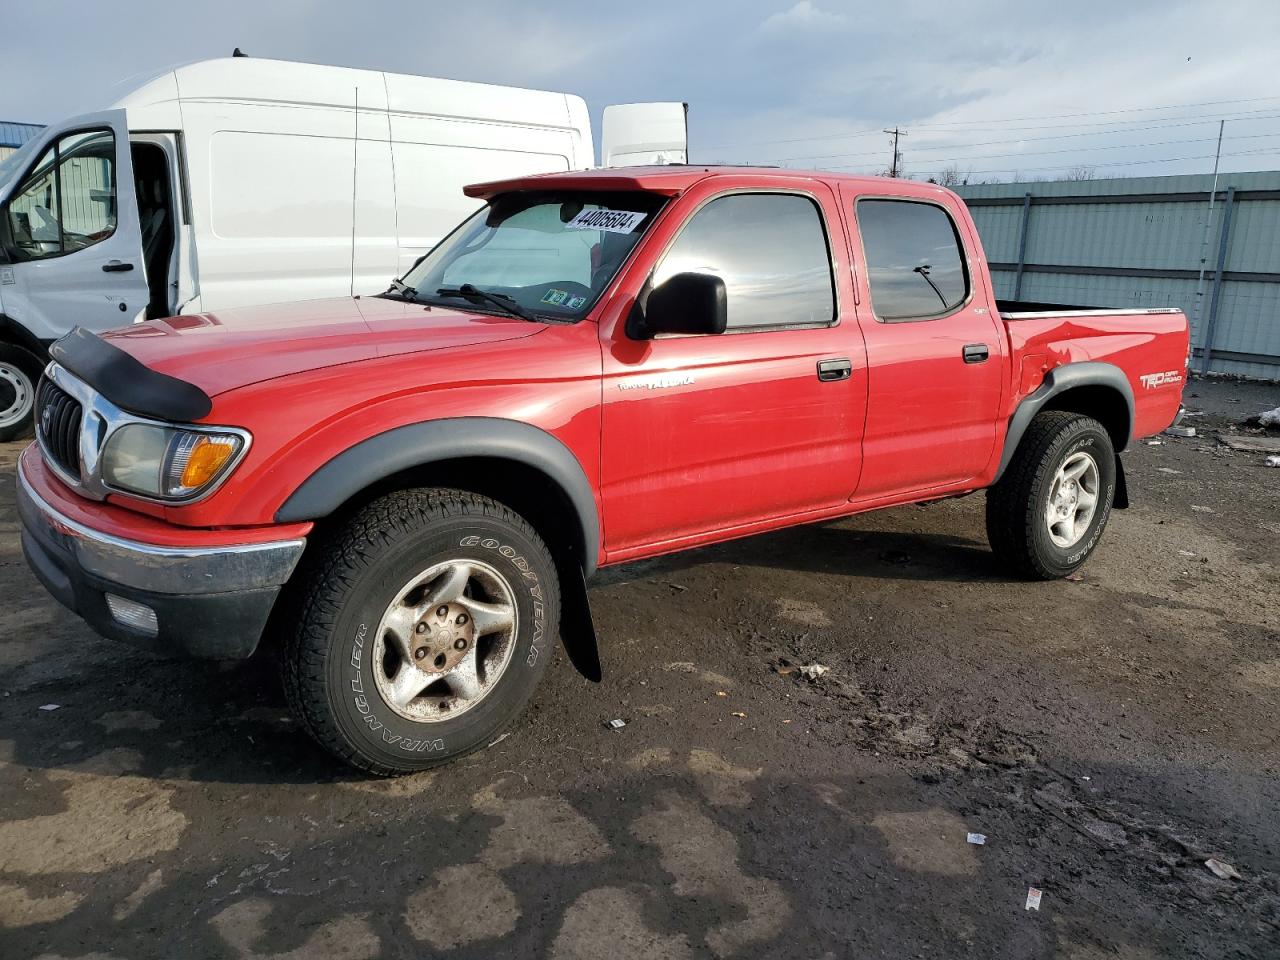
(424,626)
(1047,513)
(19,373)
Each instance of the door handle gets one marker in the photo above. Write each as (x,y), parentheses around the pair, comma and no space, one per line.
(116,266)
(975,352)
(840,369)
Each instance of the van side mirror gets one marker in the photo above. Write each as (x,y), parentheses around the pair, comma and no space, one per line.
(685,303)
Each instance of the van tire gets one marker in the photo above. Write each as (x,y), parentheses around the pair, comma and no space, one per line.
(1020,525)
(20,371)
(339,664)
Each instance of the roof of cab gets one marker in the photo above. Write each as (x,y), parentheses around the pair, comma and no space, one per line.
(672,179)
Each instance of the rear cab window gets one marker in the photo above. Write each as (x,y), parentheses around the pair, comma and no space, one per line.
(915,260)
(772,252)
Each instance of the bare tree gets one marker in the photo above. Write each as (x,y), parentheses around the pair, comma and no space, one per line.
(952,176)
(1081,171)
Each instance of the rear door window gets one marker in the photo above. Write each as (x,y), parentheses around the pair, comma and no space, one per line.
(771,251)
(915,261)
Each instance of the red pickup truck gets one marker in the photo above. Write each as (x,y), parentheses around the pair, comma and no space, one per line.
(408,492)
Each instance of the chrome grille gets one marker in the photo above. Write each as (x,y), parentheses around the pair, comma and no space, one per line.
(58,416)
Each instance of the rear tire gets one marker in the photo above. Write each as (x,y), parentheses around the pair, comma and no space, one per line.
(1047,512)
(20,371)
(424,625)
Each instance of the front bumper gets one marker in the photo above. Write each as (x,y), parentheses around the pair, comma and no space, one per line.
(209,602)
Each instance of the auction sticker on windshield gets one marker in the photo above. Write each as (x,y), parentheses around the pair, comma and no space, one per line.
(611,221)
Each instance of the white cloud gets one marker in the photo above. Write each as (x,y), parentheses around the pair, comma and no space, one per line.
(803,14)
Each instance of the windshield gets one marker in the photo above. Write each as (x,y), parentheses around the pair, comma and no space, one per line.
(551,253)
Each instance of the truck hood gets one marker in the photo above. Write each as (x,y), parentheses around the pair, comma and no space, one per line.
(228,349)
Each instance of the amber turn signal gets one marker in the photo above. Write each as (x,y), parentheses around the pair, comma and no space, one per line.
(207,457)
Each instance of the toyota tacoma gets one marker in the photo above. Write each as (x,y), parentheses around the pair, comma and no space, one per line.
(406,494)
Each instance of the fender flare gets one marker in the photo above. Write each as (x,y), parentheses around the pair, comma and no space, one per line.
(1086,373)
(416,444)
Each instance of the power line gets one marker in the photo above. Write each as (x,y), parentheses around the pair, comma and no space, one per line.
(1115,163)
(1106,113)
(1056,136)
(952,123)
(1113,146)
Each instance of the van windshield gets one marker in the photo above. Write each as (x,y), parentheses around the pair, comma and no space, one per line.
(551,254)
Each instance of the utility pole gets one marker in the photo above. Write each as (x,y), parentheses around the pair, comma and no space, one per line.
(897,157)
(1204,245)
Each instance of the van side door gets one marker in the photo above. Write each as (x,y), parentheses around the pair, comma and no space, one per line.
(69,227)
(710,435)
(936,357)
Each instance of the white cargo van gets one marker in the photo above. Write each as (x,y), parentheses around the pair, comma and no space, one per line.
(241,181)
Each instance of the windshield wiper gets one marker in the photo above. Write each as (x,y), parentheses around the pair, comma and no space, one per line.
(405,291)
(476,295)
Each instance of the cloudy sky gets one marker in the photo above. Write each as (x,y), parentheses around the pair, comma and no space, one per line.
(1001,90)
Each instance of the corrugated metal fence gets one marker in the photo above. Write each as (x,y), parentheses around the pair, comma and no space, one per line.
(14,135)
(1139,243)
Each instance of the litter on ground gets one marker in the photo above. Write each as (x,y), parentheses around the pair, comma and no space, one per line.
(813,671)
(977,839)
(1252,444)
(1221,869)
(1181,432)
(617,724)
(51,706)
(1033,898)
(1272,461)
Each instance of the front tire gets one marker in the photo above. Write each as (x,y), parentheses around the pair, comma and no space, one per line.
(1047,512)
(19,373)
(425,624)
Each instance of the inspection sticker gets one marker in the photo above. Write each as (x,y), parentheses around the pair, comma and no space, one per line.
(610,221)
(554,296)
(573,303)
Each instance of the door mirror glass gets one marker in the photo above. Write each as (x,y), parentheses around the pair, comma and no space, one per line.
(68,201)
(687,303)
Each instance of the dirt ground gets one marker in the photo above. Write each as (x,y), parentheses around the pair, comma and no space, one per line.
(1107,736)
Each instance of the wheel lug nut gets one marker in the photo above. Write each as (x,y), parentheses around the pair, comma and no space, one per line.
(442,612)
(420,653)
(421,628)
(460,644)
(462,619)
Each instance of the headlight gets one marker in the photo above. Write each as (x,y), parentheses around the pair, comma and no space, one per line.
(168,463)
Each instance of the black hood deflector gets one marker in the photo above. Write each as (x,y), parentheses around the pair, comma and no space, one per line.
(128,383)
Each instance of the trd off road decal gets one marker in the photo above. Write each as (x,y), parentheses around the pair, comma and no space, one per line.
(408,744)
(1153,380)
(531,579)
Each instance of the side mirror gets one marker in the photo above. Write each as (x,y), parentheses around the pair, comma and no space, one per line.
(686,303)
